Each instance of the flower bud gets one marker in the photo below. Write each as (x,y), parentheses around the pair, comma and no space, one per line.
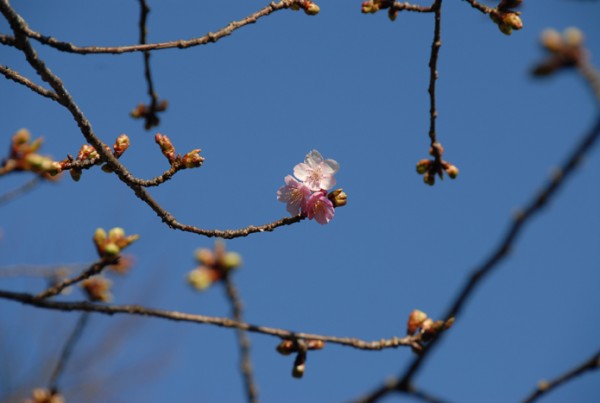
(573,37)
(315,344)
(21,137)
(97,288)
(423,166)
(232,260)
(311,8)
(205,257)
(116,233)
(192,159)
(286,347)
(551,40)
(54,169)
(298,371)
(99,237)
(429,178)
(75,174)
(121,144)
(452,171)
(338,198)
(200,278)
(415,319)
(139,111)
(165,146)
(111,249)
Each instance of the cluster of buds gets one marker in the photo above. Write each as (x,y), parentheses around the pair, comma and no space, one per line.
(426,327)
(565,50)
(309,7)
(300,347)
(213,266)
(429,168)
(23,156)
(109,246)
(506,18)
(372,6)
(148,113)
(88,156)
(40,395)
(193,159)
(97,288)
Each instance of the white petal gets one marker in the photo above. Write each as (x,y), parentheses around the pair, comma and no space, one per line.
(327,182)
(313,158)
(302,171)
(333,165)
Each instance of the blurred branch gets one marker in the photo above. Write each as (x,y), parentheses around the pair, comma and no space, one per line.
(40,271)
(243,339)
(211,37)
(26,187)
(67,350)
(409,390)
(19,27)
(137,310)
(545,387)
(16,77)
(498,255)
(94,269)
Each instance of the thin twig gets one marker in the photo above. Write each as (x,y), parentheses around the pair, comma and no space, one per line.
(19,27)
(210,37)
(243,339)
(67,350)
(26,187)
(544,387)
(16,77)
(137,310)
(151,118)
(481,7)
(400,6)
(433,76)
(94,269)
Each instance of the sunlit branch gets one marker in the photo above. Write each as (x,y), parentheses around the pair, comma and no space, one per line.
(137,310)
(243,339)
(210,37)
(19,27)
(545,387)
(16,77)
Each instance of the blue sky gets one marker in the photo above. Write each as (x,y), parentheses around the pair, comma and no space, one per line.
(352,86)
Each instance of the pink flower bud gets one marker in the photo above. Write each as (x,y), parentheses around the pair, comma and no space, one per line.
(192,159)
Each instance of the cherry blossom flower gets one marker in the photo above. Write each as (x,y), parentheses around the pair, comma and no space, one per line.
(319,207)
(295,194)
(316,172)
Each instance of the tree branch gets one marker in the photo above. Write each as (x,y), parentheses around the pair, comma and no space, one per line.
(94,269)
(16,77)
(210,37)
(545,387)
(19,27)
(137,310)
(243,339)
(498,255)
